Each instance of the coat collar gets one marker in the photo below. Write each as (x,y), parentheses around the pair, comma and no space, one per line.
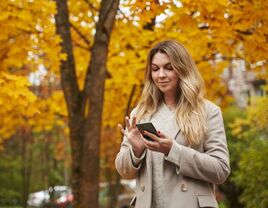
(163,112)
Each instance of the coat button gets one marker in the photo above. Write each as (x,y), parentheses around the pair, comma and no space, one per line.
(183,187)
(142,188)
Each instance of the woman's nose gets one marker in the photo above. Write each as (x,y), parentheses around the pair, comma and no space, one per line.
(162,73)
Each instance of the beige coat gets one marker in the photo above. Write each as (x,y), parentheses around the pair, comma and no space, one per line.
(190,173)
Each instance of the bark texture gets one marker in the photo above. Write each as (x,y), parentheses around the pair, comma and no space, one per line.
(85,106)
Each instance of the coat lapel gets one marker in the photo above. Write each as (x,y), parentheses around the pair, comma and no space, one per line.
(171,129)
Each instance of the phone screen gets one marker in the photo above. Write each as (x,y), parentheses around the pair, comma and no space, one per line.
(147,127)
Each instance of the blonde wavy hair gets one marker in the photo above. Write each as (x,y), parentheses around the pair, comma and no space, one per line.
(190,110)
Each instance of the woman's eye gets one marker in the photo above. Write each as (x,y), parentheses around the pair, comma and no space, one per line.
(154,68)
(169,67)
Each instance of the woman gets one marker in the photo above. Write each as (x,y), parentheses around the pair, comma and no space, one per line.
(180,167)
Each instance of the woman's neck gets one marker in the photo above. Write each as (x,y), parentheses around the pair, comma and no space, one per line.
(170,101)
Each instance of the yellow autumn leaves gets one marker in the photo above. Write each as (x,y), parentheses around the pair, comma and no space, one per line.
(215,32)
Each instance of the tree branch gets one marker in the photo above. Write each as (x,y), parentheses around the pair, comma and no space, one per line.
(68,77)
(247,32)
(80,34)
(124,14)
(81,46)
(103,30)
(92,8)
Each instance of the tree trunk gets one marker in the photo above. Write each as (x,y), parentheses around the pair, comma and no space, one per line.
(26,167)
(85,127)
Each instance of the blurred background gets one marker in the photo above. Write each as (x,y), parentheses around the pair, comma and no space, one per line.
(48,114)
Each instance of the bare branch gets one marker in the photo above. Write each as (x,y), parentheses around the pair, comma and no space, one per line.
(81,46)
(91,6)
(247,32)
(126,17)
(80,34)
(93,9)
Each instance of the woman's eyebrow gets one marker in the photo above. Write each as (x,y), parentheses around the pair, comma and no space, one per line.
(164,64)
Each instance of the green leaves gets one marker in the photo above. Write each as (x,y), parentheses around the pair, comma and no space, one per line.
(252,175)
(251,155)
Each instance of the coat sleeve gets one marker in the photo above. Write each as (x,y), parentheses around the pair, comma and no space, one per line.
(126,163)
(212,165)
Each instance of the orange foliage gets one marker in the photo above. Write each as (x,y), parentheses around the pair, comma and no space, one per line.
(215,32)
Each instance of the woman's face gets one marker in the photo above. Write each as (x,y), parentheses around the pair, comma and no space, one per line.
(163,75)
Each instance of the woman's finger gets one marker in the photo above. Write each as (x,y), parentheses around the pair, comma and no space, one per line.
(120,126)
(152,148)
(161,134)
(152,136)
(127,123)
(150,144)
(122,129)
(133,123)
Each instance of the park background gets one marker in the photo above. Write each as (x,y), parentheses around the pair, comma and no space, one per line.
(70,71)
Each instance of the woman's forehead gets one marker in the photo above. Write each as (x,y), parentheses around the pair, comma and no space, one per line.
(160,59)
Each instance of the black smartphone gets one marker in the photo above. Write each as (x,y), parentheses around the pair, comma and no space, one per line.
(147,127)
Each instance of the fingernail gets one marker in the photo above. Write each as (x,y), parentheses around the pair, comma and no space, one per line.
(158,132)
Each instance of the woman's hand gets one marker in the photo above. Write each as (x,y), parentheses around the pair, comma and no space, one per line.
(134,136)
(160,143)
